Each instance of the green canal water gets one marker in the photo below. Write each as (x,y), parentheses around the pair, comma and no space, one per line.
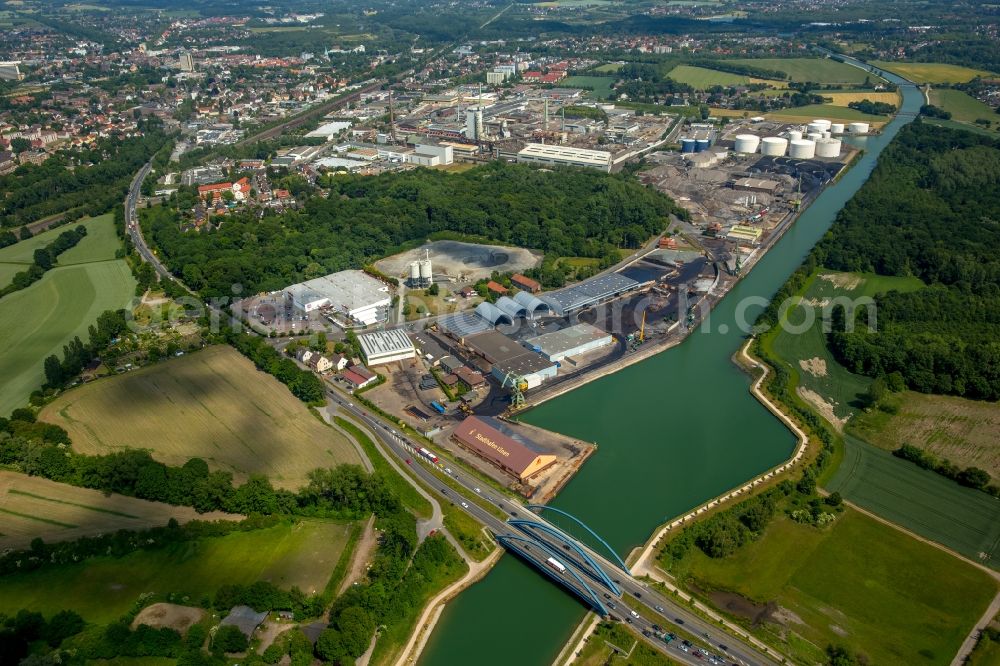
(673,431)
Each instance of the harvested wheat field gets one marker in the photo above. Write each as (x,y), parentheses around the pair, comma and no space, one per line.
(966,432)
(212,404)
(845,98)
(169,616)
(34,507)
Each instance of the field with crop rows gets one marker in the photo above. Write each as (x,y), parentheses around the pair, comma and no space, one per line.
(37,321)
(303,553)
(931,72)
(213,404)
(34,507)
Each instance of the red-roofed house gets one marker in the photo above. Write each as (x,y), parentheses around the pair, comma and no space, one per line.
(525,283)
(552,77)
(532,76)
(496,288)
(214,190)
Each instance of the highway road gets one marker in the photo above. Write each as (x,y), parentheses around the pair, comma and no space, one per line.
(654,607)
(132,224)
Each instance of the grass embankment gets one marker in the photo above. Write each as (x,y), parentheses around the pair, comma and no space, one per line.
(36,507)
(856,582)
(302,553)
(212,404)
(411,499)
(36,322)
(928,504)
(609,644)
(930,72)
(463,527)
(426,584)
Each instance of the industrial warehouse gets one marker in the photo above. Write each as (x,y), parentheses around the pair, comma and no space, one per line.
(572,341)
(508,359)
(348,298)
(483,437)
(382,347)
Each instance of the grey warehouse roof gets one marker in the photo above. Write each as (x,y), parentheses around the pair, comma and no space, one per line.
(531,303)
(563,340)
(462,324)
(379,343)
(493,314)
(511,307)
(588,292)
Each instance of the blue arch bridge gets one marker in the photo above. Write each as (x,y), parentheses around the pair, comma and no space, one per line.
(592,576)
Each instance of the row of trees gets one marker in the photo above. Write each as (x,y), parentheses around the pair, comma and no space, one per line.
(44,258)
(123,542)
(303,384)
(76,355)
(564,212)
(972,477)
(873,108)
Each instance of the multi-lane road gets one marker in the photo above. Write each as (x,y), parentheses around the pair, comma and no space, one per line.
(652,607)
(132,224)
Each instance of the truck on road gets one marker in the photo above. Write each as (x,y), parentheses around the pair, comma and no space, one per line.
(556,564)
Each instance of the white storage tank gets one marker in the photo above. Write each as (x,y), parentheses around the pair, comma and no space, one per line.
(425,271)
(803,149)
(795,135)
(773,145)
(414,272)
(826,135)
(822,122)
(747,143)
(828,148)
(814,136)
(858,128)
(836,128)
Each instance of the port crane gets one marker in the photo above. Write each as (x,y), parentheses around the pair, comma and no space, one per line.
(518,385)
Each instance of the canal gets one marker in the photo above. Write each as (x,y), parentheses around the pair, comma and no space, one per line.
(673,431)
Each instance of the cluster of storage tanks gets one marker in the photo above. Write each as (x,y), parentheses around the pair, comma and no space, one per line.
(816,140)
(695,145)
(421,274)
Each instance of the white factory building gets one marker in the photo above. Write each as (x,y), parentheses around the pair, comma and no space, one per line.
(427,154)
(541,153)
(571,341)
(351,297)
(386,346)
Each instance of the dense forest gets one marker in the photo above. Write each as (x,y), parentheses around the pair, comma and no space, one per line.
(931,209)
(562,212)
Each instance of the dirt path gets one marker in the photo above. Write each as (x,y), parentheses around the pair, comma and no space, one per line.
(432,611)
(362,556)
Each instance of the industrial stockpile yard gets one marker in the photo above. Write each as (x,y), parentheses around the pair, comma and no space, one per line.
(457,261)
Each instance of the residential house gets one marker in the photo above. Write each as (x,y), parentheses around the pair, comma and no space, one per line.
(497,288)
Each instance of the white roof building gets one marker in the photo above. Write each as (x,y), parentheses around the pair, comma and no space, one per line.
(540,153)
(352,295)
(386,346)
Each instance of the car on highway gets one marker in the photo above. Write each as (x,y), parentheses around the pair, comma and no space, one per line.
(409,462)
(477,490)
(464,505)
(678,620)
(634,614)
(659,609)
